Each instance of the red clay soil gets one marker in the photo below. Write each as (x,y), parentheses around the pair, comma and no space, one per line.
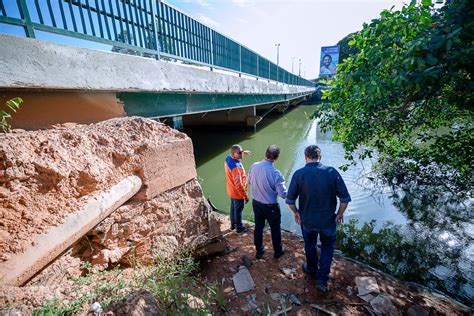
(46,174)
(342,297)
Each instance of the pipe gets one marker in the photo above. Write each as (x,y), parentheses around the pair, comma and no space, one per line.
(47,247)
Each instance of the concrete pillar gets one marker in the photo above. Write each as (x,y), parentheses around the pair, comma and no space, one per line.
(238,117)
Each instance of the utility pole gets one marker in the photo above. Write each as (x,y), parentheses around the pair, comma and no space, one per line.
(292,63)
(299,71)
(278,58)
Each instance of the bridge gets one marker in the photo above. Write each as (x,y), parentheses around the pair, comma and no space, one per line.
(158,62)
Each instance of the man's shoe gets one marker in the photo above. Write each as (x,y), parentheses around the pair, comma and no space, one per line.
(305,269)
(260,254)
(322,288)
(279,254)
(243,230)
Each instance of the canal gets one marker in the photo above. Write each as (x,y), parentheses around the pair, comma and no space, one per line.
(437,253)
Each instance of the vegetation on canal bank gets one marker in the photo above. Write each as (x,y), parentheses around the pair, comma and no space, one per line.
(405,93)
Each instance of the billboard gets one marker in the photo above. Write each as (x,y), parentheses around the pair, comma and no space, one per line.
(329,60)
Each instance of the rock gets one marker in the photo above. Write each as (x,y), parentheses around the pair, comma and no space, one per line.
(194,302)
(96,308)
(276,296)
(246,261)
(139,303)
(243,281)
(293,299)
(251,304)
(349,290)
(384,306)
(366,285)
(416,310)
(367,297)
(289,272)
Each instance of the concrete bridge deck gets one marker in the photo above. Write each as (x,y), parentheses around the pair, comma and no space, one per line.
(63,83)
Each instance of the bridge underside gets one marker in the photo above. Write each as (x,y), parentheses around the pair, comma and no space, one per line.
(173,104)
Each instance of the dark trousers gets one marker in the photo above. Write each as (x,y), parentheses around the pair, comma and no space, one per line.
(236,208)
(328,239)
(271,213)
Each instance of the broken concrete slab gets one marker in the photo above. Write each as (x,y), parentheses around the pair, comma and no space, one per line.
(243,281)
(384,306)
(367,297)
(366,285)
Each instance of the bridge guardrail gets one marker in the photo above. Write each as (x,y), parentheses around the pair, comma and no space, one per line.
(149,28)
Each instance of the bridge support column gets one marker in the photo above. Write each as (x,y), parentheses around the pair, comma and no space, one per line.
(239,117)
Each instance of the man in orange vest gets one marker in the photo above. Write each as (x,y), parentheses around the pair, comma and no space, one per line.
(236,186)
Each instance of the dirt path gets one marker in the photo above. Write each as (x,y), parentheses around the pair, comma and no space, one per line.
(295,286)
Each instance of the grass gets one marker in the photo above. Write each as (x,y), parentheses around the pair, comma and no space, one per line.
(173,282)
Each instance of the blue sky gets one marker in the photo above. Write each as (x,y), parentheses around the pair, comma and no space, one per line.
(300,26)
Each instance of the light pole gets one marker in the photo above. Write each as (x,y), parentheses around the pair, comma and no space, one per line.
(278,58)
(292,63)
(299,71)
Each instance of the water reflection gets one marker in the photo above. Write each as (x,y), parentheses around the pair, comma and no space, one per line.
(417,235)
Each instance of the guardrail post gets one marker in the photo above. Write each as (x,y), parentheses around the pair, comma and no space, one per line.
(240,61)
(25,16)
(155,31)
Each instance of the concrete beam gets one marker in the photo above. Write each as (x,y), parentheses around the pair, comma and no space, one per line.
(30,63)
(46,247)
(245,117)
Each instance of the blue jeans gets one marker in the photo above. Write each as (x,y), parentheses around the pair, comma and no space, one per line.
(236,208)
(328,239)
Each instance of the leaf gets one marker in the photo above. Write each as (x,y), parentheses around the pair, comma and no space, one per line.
(351,42)
(14,104)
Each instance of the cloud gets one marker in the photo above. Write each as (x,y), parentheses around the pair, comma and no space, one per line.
(203,3)
(208,21)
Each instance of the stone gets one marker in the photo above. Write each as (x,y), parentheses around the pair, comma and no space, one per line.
(366,285)
(383,305)
(367,297)
(243,281)
(139,303)
(416,310)
(246,261)
(289,272)
(293,299)
(276,296)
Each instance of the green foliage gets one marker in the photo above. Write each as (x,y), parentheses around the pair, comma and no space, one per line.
(407,253)
(170,280)
(405,95)
(12,106)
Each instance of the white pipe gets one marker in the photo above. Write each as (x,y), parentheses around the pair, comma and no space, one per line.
(46,247)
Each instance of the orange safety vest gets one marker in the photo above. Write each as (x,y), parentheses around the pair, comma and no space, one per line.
(236,180)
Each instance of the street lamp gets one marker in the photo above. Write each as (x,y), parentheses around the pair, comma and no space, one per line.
(292,62)
(299,71)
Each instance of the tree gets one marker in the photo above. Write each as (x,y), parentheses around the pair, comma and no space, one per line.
(405,96)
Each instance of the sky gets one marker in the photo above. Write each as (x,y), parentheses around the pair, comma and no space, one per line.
(301,27)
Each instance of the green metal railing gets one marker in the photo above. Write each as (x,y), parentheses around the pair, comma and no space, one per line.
(148,28)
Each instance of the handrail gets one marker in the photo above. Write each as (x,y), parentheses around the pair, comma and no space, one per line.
(127,25)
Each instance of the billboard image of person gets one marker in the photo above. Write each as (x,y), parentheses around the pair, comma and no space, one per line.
(329,60)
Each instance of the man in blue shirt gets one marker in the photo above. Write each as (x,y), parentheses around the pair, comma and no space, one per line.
(317,187)
(266,183)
